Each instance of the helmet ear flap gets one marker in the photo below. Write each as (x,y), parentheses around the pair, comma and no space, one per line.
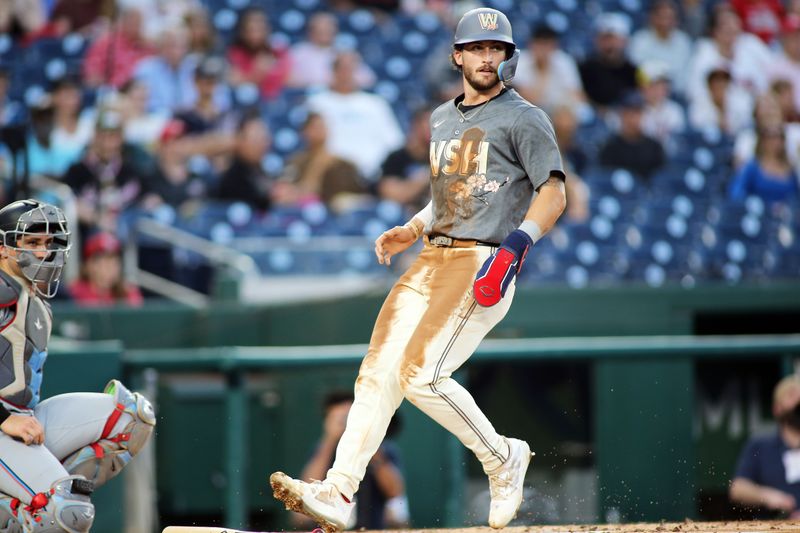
(508,68)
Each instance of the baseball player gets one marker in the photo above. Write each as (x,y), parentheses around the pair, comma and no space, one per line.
(54,453)
(497,186)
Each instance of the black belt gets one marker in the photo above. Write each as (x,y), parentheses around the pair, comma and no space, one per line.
(443,241)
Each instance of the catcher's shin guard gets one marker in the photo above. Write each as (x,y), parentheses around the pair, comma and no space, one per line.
(104,459)
(65,508)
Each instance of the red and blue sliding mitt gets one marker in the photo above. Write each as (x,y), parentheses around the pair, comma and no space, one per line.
(498,270)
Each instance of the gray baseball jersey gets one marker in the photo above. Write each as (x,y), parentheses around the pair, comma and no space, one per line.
(486,164)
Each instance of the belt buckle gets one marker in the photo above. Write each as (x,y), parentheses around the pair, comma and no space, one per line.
(441,240)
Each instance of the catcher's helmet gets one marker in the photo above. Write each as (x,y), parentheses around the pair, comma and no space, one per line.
(27,217)
(484,24)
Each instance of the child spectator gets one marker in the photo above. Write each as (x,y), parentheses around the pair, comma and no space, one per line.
(101,281)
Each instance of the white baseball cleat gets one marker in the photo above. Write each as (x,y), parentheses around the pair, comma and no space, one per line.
(505,484)
(320,501)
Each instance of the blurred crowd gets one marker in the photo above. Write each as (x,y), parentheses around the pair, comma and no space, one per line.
(169,104)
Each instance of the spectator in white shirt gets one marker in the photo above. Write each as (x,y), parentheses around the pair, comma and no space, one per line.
(663,41)
(723,106)
(746,55)
(362,126)
(663,118)
(787,63)
(312,59)
(546,75)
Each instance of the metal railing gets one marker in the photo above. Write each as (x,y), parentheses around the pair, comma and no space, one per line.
(218,255)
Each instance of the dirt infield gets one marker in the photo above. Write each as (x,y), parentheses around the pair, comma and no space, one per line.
(664,527)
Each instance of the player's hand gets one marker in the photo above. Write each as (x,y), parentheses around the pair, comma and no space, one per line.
(499,269)
(393,241)
(25,428)
(778,500)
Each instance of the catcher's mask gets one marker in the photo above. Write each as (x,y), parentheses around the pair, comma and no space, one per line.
(41,266)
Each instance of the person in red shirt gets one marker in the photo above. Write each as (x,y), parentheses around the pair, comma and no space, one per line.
(760,17)
(101,282)
(254,59)
(112,58)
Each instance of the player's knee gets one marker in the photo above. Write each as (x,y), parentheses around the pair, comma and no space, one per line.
(143,420)
(106,458)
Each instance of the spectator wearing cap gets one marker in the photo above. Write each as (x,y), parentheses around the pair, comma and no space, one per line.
(174,183)
(312,59)
(206,114)
(630,148)
(72,128)
(760,17)
(170,75)
(112,58)
(245,179)
(607,74)
(663,118)
(546,75)
(723,106)
(105,182)
(662,40)
(769,174)
(746,56)
(254,58)
(101,281)
(787,63)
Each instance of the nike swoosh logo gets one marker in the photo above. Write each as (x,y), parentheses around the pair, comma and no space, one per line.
(438,123)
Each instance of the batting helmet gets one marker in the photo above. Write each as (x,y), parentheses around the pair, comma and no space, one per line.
(484,24)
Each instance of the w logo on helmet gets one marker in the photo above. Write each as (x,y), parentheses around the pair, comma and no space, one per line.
(488,21)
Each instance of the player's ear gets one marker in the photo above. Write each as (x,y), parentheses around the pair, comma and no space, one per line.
(456,58)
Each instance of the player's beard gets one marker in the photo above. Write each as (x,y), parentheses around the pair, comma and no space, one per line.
(480,83)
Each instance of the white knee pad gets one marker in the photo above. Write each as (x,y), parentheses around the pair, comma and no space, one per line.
(65,508)
(105,458)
